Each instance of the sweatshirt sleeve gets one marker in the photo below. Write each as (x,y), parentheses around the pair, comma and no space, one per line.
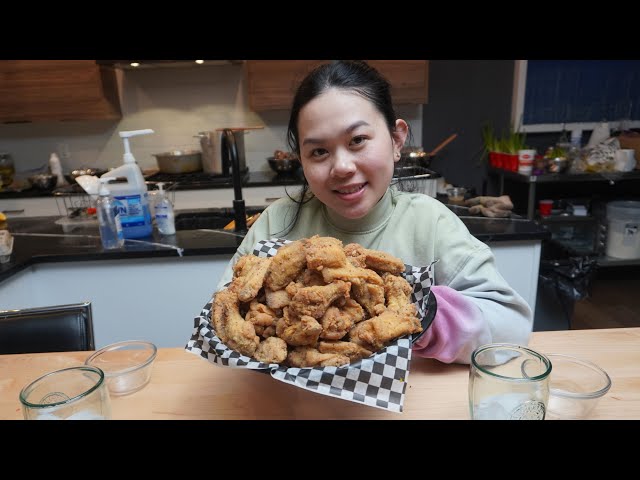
(476,305)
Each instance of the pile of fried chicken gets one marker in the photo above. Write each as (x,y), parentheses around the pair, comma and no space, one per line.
(316,303)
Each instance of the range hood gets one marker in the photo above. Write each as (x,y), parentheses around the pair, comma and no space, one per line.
(146,64)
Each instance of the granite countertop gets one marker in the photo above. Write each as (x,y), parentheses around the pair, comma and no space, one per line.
(41,240)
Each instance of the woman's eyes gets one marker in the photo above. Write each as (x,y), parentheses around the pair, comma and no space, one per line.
(355,141)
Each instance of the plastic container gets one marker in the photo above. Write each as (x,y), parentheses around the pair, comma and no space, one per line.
(545,207)
(109,218)
(127,365)
(135,214)
(576,387)
(623,232)
(165,218)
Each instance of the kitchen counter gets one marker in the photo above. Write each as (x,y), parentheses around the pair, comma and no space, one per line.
(184,386)
(196,181)
(40,240)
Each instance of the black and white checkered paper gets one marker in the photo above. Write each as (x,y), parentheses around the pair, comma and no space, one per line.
(378,381)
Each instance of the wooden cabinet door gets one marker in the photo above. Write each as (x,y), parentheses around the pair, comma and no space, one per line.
(45,90)
(272,83)
(409,79)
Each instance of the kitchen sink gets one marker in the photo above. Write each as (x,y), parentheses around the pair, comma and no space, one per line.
(210,219)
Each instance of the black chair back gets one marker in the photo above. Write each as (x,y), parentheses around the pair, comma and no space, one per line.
(58,328)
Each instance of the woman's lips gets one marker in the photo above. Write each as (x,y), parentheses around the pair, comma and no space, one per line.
(350,192)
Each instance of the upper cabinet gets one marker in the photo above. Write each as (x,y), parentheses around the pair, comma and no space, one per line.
(272,83)
(50,90)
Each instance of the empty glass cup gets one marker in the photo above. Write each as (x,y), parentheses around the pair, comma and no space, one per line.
(508,382)
(76,393)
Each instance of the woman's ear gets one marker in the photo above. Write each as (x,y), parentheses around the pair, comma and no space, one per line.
(400,134)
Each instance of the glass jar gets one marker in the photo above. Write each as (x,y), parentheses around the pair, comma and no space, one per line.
(7,170)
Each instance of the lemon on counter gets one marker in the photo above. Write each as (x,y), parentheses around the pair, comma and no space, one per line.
(3,221)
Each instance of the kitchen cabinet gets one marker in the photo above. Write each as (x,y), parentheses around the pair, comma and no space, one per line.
(30,207)
(271,83)
(153,299)
(51,90)
(518,262)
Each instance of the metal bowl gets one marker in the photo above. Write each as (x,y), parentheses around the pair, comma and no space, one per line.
(286,165)
(97,172)
(43,181)
(558,164)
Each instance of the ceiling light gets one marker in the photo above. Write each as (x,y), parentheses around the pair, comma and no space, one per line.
(135,64)
(199,62)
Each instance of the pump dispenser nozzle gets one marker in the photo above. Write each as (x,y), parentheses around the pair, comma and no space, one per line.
(128,157)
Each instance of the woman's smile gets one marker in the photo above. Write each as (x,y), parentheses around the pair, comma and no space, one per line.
(351,192)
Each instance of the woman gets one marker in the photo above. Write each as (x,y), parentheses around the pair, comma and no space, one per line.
(345,131)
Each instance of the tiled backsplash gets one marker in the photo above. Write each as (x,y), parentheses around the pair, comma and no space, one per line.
(176,103)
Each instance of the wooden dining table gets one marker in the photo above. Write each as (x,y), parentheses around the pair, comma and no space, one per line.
(186,386)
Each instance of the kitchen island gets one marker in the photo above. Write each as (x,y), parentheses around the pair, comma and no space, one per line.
(184,386)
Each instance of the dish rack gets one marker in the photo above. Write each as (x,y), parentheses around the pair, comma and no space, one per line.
(77,209)
(415,179)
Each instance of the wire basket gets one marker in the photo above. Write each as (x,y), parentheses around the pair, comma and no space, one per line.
(73,204)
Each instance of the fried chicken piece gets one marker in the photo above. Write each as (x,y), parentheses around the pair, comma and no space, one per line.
(271,350)
(336,322)
(355,255)
(269,332)
(397,291)
(348,349)
(250,277)
(276,298)
(310,357)
(314,301)
(298,332)
(324,252)
(310,278)
(374,259)
(369,295)
(286,265)
(374,333)
(260,314)
(348,272)
(234,331)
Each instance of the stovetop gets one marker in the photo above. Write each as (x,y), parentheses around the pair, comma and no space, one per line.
(193,180)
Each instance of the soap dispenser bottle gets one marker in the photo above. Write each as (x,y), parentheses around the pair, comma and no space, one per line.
(132,194)
(165,219)
(109,218)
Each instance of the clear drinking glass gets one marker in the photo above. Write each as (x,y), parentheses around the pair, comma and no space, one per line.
(76,393)
(508,382)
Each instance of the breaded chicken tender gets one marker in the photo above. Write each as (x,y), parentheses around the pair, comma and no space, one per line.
(349,349)
(310,357)
(286,265)
(375,333)
(324,252)
(271,350)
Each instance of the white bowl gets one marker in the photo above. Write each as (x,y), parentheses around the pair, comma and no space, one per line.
(126,365)
(576,386)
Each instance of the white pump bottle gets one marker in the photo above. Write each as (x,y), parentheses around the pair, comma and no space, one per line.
(132,194)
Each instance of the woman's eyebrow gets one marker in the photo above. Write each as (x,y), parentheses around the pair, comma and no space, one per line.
(349,129)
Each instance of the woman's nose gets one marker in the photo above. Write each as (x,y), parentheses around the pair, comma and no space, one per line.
(343,165)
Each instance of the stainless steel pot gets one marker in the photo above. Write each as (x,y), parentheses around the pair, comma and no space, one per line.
(179,161)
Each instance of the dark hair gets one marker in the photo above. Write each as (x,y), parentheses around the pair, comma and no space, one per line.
(355,76)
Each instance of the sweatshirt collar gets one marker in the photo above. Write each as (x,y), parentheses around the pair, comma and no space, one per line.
(378,216)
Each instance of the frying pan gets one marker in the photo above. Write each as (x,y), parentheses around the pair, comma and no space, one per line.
(417,156)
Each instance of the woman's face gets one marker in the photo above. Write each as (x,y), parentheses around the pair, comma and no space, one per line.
(347,151)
